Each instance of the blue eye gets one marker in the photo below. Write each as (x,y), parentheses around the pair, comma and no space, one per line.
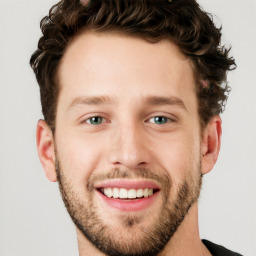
(95,120)
(159,120)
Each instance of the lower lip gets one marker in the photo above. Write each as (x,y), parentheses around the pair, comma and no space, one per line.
(129,205)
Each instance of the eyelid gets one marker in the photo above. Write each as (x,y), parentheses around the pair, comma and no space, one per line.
(84,119)
(170,118)
(168,121)
(87,119)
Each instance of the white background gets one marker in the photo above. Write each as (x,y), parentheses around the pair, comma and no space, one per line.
(33,221)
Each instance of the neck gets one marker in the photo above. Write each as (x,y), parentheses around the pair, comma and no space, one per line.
(185,241)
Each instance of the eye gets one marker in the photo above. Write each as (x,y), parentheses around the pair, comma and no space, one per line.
(159,120)
(95,120)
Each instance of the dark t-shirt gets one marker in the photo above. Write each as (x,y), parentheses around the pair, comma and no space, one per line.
(218,250)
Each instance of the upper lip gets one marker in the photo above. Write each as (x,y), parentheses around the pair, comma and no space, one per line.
(127,184)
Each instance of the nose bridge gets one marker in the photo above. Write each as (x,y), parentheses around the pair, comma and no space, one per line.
(129,147)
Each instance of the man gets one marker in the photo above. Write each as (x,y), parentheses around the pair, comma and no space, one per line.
(131,93)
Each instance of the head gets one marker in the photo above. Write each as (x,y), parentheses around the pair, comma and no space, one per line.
(131,93)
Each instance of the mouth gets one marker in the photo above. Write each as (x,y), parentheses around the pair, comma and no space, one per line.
(128,195)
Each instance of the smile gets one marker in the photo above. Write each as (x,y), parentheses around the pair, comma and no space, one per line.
(128,195)
(123,193)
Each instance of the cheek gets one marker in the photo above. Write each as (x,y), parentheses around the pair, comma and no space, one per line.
(179,155)
(78,156)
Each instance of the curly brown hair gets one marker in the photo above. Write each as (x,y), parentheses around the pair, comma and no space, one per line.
(182,21)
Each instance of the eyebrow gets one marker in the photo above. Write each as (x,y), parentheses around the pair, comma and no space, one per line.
(150,100)
(161,101)
(91,100)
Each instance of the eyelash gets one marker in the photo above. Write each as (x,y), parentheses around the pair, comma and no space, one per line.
(96,116)
(168,119)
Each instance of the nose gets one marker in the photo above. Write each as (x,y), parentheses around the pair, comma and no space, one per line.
(129,147)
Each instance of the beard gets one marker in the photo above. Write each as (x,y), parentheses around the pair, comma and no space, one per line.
(131,238)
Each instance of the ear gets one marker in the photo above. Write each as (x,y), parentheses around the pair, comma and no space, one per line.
(210,144)
(45,149)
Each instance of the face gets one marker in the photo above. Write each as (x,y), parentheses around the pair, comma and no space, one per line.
(127,141)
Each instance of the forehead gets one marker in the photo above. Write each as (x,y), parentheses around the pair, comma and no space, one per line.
(115,65)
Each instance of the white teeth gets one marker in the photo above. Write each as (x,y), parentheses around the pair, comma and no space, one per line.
(145,192)
(115,192)
(132,193)
(108,192)
(127,193)
(140,192)
(123,193)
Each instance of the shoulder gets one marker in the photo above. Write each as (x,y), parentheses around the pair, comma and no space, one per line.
(218,250)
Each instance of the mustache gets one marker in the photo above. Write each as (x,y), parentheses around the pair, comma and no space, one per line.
(163,179)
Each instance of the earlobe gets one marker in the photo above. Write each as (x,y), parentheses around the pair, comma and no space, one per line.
(45,149)
(210,145)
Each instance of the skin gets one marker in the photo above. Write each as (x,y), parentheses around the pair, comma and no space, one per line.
(128,71)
